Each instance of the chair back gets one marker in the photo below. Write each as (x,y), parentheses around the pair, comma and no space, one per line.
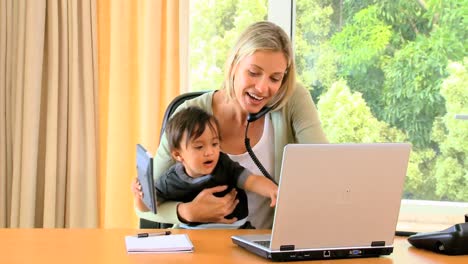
(178,100)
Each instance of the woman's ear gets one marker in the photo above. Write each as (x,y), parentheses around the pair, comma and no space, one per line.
(176,155)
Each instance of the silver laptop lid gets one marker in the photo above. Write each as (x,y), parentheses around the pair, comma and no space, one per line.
(353,195)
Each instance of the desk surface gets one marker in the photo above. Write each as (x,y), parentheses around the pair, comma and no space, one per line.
(211,246)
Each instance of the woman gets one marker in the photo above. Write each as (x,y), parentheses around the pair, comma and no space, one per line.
(260,72)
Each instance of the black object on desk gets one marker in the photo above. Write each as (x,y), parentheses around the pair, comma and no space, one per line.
(451,241)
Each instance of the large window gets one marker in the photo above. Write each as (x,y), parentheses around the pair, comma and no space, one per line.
(390,71)
(379,71)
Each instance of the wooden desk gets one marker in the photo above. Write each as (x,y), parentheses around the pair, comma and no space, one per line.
(211,246)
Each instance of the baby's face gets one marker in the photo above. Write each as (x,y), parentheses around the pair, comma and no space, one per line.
(201,154)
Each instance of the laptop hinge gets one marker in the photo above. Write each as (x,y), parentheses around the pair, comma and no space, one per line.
(378,243)
(287,247)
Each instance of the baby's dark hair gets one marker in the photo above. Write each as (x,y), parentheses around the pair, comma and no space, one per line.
(191,120)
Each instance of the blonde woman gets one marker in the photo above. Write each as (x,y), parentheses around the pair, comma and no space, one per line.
(260,72)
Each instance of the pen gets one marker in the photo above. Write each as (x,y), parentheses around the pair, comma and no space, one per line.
(165,233)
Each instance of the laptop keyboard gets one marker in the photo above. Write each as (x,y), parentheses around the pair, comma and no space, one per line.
(265,243)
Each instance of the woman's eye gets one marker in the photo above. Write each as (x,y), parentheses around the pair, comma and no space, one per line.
(251,73)
(275,80)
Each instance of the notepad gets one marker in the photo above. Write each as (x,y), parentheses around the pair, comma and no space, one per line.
(159,244)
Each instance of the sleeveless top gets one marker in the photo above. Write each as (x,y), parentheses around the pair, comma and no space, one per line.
(260,212)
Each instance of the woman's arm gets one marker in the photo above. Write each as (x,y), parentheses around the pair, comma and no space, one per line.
(297,122)
(304,117)
(207,208)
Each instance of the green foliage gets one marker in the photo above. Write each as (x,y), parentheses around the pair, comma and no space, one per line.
(361,46)
(361,42)
(349,8)
(346,117)
(407,18)
(420,183)
(451,134)
(411,89)
(215,25)
(317,69)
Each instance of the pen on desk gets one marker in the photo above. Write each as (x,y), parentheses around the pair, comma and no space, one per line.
(165,233)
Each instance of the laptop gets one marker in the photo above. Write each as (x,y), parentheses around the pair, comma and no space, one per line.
(334,201)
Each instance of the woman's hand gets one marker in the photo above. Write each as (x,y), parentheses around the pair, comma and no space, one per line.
(136,189)
(138,195)
(207,208)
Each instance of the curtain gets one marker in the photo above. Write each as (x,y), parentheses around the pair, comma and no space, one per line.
(48,102)
(140,64)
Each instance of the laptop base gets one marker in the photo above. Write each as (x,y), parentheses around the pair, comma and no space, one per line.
(315,254)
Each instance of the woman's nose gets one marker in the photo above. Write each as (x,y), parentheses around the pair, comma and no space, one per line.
(262,84)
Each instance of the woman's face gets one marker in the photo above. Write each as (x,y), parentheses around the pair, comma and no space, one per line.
(258,78)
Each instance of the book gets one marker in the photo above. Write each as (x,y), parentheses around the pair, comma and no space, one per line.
(144,162)
(159,244)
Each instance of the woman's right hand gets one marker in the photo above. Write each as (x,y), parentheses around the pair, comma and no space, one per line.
(138,195)
(136,189)
(207,208)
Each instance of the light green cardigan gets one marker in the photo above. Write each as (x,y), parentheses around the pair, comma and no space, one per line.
(296,122)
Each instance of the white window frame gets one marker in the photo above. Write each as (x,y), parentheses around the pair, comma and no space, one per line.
(282,13)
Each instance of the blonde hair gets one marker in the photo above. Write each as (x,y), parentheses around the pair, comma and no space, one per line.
(262,36)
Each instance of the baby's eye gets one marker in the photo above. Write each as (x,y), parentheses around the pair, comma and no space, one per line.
(216,144)
(198,147)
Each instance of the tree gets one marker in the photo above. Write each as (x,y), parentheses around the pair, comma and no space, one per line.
(215,25)
(427,35)
(314,58)
(361,46)
(346,117)
(451,134)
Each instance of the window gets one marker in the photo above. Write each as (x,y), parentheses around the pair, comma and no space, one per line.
(392,71)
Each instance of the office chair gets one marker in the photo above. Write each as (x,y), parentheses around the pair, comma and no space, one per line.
(167,114)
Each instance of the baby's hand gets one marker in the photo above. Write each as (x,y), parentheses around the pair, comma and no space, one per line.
(273,196)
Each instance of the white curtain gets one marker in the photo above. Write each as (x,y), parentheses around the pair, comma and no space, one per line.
(48,126)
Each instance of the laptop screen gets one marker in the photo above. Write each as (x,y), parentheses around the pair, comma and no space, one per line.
(339,195)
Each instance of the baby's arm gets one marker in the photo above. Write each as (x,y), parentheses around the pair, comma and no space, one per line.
(263,186)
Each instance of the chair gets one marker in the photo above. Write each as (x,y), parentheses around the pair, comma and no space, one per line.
(167,114)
